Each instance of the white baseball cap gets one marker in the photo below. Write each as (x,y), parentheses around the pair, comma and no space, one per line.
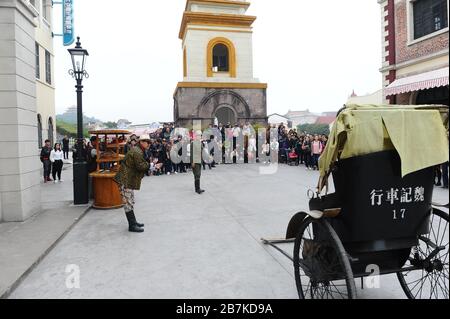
(145,138)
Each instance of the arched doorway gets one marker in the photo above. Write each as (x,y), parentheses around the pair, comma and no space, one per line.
(50,130)
(225,105)
(433,96)
(225,115)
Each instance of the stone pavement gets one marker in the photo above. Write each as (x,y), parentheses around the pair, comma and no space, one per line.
(23,245)
(194,246)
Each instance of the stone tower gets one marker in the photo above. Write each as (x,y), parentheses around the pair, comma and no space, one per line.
(218,83)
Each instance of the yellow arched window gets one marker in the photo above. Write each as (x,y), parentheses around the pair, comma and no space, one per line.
(221,56)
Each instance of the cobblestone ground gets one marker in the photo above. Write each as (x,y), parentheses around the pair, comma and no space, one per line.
(194,246)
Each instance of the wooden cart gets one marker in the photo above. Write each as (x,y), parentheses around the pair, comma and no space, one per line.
(110,152)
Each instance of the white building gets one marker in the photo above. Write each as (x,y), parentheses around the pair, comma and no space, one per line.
(373,98)
(276,119)
(301,117)
(123,124)
(218,83)
(25,29)
(225,23)
(45,80)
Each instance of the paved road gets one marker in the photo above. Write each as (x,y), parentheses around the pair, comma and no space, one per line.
(194,246)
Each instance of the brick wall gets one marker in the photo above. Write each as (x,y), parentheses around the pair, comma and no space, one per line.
(420,49)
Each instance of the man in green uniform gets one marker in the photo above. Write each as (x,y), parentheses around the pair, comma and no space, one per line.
(196,160)
(129,178)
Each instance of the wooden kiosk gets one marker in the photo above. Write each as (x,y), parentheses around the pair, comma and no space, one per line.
(110,152)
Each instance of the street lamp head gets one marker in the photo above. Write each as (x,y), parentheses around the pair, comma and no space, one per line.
(78,55)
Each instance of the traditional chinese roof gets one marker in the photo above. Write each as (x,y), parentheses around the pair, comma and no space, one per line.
(326,120)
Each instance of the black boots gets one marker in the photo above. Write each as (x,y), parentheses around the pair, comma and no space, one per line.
(198,190)
(133,225)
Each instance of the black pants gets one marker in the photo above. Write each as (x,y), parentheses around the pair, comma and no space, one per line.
(56,169)
(204,165)
(66,154)
(301,157)
(437,175)
(197,170)
(168,166)
(445,174)
(308,160)
(47,168)
(181,167)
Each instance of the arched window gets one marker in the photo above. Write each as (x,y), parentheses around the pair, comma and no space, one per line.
(39,129)
(221,58)
(50,130)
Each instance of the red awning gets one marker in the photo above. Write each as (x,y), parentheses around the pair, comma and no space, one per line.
(423,81)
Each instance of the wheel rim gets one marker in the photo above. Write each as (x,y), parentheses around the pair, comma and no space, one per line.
(313,276)
(432,280)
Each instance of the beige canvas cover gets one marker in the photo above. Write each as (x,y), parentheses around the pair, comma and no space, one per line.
(418,133)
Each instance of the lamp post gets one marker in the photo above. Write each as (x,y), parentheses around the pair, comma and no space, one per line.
(80,170)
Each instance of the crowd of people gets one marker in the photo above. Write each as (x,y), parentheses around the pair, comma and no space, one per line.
(239,144)
(300,148)
(160,153)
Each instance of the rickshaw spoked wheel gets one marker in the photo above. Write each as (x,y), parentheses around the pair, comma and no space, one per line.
(431,281)
(321,265)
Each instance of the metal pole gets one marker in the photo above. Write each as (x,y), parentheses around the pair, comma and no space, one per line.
(80,169)
(79,88)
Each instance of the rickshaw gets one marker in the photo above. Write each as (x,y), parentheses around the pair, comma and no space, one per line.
(381,218)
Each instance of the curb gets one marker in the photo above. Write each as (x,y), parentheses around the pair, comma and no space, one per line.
(16,283)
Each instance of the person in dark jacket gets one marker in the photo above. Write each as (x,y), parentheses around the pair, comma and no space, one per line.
(181,167)
(83,151)
(45,159)
(129,178)
(196,161)
(65,148)
(306,147)
(165,157)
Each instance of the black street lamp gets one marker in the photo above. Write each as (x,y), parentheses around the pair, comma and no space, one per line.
(80,169)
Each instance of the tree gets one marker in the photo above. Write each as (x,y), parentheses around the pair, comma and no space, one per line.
(69,129)
(321,129)
(110,125)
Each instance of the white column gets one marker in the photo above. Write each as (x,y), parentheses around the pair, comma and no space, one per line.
(20,195)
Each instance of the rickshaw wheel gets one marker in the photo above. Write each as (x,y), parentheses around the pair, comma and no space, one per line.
(431,281)
(321,265)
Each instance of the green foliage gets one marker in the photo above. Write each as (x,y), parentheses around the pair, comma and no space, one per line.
(69,129)
(110,125)
(322,129)
(70,117)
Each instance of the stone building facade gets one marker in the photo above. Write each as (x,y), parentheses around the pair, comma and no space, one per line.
(27,103)
(20,167)
(415,51)
(45,78)
(218,83)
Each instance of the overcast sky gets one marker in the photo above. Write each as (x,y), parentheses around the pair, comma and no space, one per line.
(312,54)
